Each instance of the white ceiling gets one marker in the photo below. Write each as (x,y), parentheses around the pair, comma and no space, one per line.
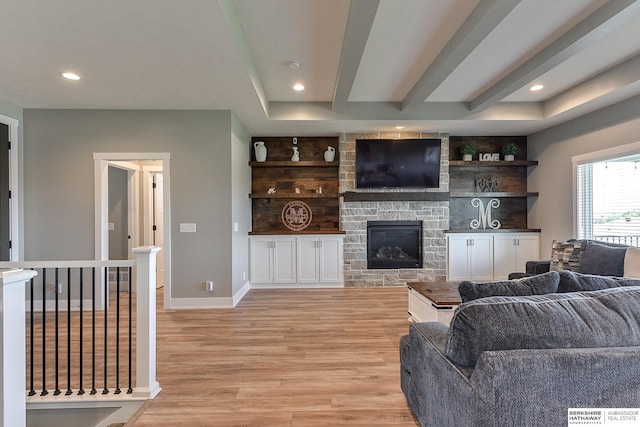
(457,66)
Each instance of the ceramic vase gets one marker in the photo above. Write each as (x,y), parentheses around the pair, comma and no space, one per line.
(260,151)
(296,155)
(330,154)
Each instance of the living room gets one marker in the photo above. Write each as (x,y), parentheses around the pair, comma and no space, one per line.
(206,121)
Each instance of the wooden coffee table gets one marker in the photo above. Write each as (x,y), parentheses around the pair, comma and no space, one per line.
(432,301)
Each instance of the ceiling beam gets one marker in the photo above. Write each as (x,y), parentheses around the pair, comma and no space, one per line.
(596,89)
(481,21)
(231,16)
(359,22)
(588,31)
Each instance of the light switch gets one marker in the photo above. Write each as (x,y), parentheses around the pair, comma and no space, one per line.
(187,228)
(112,226)
(235,226)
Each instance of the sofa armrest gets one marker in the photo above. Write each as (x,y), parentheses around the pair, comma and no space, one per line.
(538,267)
(536,387)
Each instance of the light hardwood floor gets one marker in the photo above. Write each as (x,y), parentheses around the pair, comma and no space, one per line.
(314,357)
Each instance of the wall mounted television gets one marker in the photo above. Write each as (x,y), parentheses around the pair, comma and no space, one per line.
(397,163)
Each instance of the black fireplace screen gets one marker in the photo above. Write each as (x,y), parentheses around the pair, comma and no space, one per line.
(394,244)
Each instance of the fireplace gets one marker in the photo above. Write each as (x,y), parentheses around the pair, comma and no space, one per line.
(394,244)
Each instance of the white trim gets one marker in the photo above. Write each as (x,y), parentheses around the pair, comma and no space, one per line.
(102,202)
(244,290)
(595,156)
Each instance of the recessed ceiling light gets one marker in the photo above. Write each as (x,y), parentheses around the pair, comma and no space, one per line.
(298,86)
(535,88)
(70,76)
(399,127)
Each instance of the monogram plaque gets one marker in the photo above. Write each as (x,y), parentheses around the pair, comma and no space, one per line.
(296,215)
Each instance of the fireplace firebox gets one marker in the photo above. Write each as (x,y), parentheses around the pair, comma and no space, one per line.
(394,244)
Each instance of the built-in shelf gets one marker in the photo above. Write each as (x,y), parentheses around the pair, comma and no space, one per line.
(497,230)
(294,233)
(294,196)
(288,163)
(427,196)
(494,194)
(476,163)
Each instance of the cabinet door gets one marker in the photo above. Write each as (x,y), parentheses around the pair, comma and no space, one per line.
(458,267)
(261,261)
(504,255)
(330,260)
(307,260)
(481,257)
(528,249)
(284,260)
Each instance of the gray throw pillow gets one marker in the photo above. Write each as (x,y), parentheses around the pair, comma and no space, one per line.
(605,318)
(603,259)
(540,284)
(570,281)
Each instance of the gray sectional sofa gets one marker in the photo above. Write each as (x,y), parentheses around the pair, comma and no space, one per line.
(556,341)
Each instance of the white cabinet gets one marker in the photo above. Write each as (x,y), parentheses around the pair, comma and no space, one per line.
(273,260)
(469,256)
(489,256)
(512,251)
(311,261)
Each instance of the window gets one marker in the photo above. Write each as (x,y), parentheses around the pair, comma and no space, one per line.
(608,200)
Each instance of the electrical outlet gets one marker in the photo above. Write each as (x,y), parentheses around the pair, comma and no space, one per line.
(209,286)
(244,275)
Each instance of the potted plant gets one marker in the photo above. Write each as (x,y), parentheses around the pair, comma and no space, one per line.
(468,150)
(509,150)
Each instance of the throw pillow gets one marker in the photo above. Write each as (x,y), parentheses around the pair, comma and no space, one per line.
(540,284)
(570,281)
(632,262)
(602,259)
(566,255)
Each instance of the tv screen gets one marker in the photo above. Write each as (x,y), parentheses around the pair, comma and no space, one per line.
(397,163)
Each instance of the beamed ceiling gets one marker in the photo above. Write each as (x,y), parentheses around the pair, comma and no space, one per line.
(456,66)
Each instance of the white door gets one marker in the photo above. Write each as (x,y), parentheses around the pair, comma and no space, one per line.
(458,267)
(504,252)
(307,260)
(261,259)
(158,223)
(284,260)
(330,262)
(481,257)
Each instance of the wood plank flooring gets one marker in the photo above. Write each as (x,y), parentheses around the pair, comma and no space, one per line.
(313,357)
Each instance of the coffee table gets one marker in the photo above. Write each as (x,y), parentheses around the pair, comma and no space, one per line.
(432,301)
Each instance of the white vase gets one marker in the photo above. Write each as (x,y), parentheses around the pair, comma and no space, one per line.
(509,157)
(296,155)
(260,151)
(330,154)
(467,157)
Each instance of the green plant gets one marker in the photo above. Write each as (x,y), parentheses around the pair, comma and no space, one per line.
(468,149)
(510,148)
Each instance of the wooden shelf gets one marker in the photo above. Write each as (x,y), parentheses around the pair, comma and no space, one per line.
(476,163)
(294,196)
(290,164)
(493,194)
(396,196)
(499,230)
(293,233)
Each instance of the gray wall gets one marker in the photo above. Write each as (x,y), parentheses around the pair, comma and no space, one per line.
(554,148)
(59,185)
(241,204)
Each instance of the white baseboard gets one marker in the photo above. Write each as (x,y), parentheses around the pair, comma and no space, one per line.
(199,303)
(296,285)
(241,293)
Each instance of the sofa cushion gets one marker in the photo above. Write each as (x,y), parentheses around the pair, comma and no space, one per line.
(570,281)
(534,285)
(566,255)
(632,262)
(602,259)
(604,318)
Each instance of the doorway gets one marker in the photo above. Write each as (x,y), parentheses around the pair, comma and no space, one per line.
(142,168)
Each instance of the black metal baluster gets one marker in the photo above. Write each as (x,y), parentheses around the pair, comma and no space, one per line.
(117,391)
(57,336)
(68,392)
(80,356)
(105,390)
(93,331)
(32,392)
(44,391)
(130,389)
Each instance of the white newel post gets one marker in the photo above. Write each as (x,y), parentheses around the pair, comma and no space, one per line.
(13,395)
(146,384)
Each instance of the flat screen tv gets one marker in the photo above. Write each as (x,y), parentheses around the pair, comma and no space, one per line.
(397,163)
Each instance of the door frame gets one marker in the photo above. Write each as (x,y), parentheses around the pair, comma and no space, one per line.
(16,251)
(101,163)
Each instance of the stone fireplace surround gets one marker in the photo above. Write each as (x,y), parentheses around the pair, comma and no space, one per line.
(355,214)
